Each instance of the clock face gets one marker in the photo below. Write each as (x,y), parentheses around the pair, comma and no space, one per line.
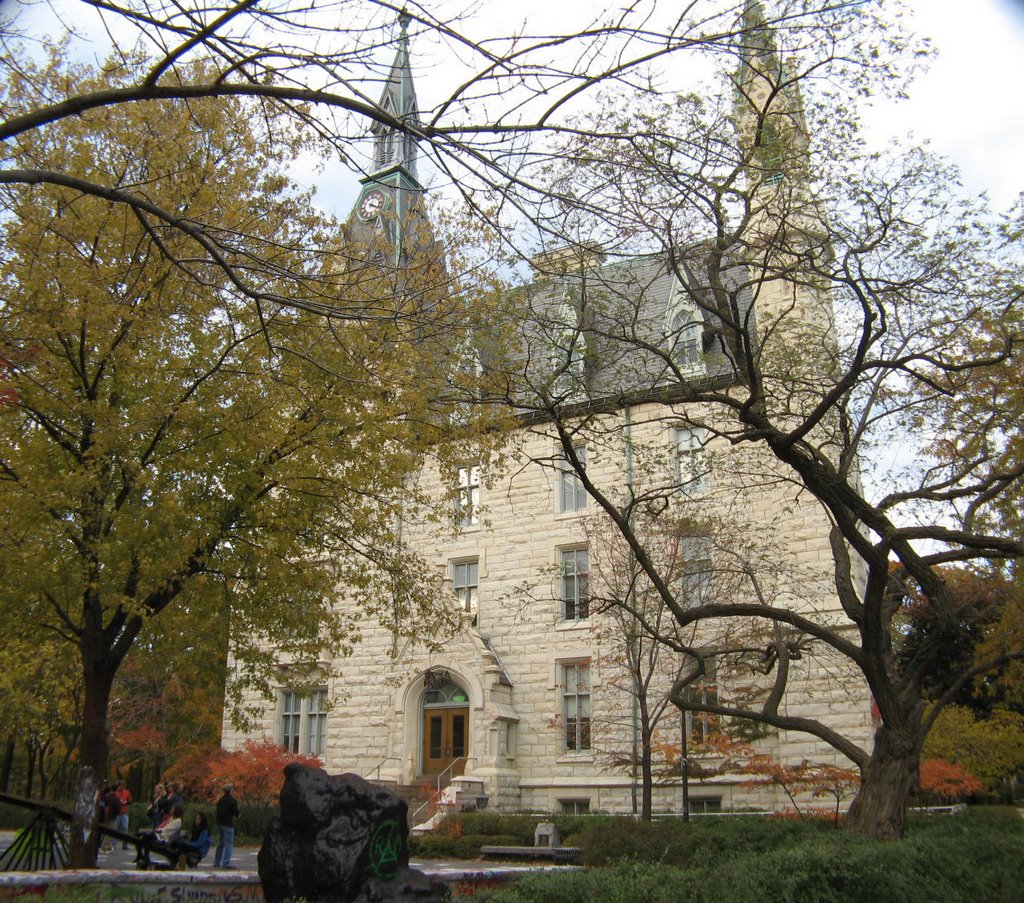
(372,204)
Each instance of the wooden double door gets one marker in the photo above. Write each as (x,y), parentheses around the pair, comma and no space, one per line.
(445,740)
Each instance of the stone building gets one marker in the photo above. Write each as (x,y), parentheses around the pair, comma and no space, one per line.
(528,704)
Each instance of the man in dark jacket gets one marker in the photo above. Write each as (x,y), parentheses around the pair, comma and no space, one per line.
(227,812)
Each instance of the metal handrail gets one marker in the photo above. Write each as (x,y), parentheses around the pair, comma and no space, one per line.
(380,763)
(454,762)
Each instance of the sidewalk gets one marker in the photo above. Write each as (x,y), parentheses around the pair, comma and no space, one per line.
(243,858)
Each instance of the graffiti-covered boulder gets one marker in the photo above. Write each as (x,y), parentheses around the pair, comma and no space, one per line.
(340,839)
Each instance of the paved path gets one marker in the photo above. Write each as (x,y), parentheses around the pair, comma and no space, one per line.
(243,858)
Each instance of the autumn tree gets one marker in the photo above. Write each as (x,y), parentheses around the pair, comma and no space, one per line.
(170,447)
(705,561)
(168,697)
(256,770)
(989,746)
(836,300)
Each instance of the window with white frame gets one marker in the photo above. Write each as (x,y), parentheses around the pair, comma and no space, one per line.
(304,722)
(467,496)
(696,572)
(576,705)
(571,494)
(686,333)
(291,720)
(692,470)
(568,351)
(316,724)
(465,580)
(575,570)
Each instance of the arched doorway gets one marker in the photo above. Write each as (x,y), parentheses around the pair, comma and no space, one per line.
(445,724)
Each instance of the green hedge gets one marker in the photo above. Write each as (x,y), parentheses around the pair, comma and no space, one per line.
(974,859)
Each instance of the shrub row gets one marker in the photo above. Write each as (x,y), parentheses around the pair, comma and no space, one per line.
(955,860)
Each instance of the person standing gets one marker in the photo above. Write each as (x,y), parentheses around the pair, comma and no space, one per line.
(110,807)
(124,795)
(227,812)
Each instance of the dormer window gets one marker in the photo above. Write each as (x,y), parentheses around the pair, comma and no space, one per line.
(684,332)
(568,353)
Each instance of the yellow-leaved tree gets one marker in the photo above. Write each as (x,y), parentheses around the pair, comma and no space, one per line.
(167,444)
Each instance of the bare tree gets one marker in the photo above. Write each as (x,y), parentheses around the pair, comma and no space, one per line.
(314,74)
(795,305)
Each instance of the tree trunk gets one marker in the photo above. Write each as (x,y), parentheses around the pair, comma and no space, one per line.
(5,771)
(30,773)
(888,782)
(93,755)
(646,776)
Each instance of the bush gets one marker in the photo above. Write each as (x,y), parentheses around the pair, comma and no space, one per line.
(252,822)
(450,846)
(519,827)
(679,843)
(969,859)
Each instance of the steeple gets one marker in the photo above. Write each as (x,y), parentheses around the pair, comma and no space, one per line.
(392,147)
(769,106)
(389,211)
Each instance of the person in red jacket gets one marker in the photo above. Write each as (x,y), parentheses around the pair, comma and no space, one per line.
(124,796)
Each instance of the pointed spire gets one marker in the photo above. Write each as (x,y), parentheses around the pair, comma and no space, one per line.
(769,104)
(394,148)
(757,50)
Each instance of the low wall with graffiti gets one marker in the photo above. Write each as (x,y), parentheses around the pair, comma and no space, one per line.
(121,886)
(115,886)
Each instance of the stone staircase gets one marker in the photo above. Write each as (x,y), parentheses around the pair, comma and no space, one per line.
(418,795)
(427,808)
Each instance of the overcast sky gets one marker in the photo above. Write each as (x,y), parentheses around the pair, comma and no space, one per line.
(969,105)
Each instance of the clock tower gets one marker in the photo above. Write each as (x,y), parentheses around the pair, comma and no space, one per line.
(389,219)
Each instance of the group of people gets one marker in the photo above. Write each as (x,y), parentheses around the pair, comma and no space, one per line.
(114,801)
(167,816)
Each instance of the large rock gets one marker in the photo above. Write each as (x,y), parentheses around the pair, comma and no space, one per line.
(340,839)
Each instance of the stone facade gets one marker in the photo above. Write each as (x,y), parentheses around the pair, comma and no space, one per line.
(510,651)
(527,696)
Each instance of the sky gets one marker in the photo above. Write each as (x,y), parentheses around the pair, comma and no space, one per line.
(969,105)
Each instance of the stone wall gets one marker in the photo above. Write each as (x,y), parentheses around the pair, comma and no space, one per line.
(516,732)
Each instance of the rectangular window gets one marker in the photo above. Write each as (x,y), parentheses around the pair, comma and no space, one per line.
(705,804)
(304,722)
(467,496)
(465,579)
(291,714)
(701,726)
(574,807)
(316,724)
(575,597)
(695,571)
(571,494)
(691,460)
(576,705)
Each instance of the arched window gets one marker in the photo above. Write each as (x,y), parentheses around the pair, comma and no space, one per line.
(444,691)
(684,331)
(686,340)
